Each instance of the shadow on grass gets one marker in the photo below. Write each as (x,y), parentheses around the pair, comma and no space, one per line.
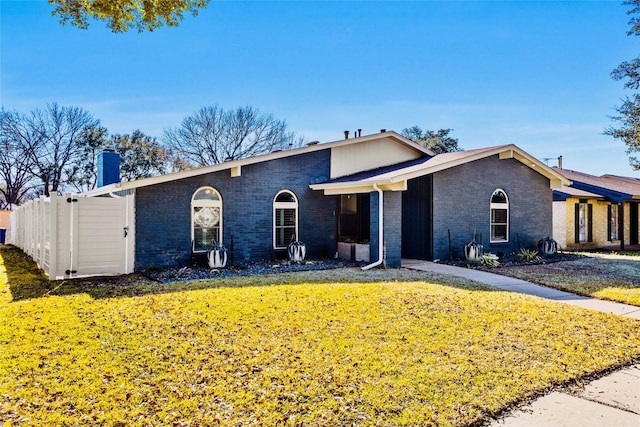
(27,281)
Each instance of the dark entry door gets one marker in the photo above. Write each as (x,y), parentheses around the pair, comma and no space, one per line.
(633,226)
(417,222)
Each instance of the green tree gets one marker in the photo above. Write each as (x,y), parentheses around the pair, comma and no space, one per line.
(213,135)
(628,118)
(124,15)
(438,142)
(141,156)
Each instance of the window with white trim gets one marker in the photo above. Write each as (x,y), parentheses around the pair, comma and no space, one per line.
(285,219)
(206,218)
(499,217)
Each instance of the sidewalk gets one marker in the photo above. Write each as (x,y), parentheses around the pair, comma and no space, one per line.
(613,400)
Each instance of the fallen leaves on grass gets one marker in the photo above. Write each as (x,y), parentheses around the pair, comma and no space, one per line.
(615,278)
(386,353)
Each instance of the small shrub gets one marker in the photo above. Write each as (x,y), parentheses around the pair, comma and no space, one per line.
(529,255)
(489,260)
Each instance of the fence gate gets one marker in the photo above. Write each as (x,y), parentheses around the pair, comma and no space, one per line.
(100,240)
(70,236)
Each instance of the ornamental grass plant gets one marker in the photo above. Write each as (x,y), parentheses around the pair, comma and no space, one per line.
(364,348)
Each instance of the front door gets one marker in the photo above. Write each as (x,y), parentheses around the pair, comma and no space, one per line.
(417,219)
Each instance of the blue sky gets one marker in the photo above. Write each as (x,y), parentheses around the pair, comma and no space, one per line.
(535,74)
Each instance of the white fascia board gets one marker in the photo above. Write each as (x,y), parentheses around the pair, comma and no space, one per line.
(235,166)
(102,190)
(394,186)
(555,178)
(421,170)
(503,152)
(397,180)
(366,186)
(336,191)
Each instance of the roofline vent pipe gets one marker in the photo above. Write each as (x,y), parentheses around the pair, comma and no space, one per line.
(346,134)
(560,162)
(380,229)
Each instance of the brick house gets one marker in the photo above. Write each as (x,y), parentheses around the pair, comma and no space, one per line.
(376,198)
(596,211)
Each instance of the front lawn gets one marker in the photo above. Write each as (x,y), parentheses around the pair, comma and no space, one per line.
(612,276)
(294,349)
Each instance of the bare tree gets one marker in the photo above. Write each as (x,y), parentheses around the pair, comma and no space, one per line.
(213,135)
(55,136)
(82,174)
(15,176)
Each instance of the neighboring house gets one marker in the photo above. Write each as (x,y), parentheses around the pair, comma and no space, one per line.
(596,212)
(623,178)
(378,198)
(4,224)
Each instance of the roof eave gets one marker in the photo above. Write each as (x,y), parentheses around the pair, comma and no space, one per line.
(235,166)
(365,186)
(614,196)
(400,179)
(556,180)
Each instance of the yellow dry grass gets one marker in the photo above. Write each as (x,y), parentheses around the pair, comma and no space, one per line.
(377,353)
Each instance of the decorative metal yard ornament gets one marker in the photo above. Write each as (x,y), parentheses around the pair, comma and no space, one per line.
(473,250)
(217,256)
(296,250)
(547,246)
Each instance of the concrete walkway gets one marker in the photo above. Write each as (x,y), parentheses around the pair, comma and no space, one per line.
(521,286)
(613,400)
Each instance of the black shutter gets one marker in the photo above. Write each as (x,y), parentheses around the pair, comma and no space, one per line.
(590,223)
(576,223)
(609,221)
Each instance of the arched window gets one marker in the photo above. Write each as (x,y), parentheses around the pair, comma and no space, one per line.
(499,217)
(285,219)
(206,218)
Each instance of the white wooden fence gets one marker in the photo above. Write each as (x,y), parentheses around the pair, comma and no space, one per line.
(70,236)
